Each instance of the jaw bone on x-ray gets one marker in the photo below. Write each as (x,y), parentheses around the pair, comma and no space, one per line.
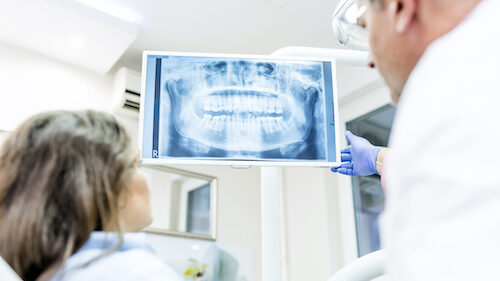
(242,109)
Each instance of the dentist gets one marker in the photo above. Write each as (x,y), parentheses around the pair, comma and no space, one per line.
(440,59)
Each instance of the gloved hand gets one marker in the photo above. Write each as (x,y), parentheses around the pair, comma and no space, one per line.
(359,158)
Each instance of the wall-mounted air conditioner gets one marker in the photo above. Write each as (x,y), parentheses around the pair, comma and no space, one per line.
(127,91)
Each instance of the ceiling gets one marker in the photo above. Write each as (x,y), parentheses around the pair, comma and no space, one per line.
(228,26)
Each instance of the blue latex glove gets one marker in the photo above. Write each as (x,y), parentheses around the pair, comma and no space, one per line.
(359,158)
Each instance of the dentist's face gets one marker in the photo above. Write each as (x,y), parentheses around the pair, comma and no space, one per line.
(237,105)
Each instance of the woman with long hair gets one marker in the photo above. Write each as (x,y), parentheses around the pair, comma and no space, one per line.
(70,194)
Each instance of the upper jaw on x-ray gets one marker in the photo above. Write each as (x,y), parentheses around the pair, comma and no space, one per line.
(241,106)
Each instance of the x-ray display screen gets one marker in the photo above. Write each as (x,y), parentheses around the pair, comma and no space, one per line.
(259,109)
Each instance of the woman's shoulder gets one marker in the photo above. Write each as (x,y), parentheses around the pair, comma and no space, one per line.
(134,264)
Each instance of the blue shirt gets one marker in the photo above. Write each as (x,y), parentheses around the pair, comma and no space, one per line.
(135,260)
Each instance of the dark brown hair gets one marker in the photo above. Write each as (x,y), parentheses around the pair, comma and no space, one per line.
(61,174)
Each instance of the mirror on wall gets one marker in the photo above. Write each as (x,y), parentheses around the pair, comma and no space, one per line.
(183,203)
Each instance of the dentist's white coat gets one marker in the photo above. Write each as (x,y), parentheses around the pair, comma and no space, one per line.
(443,173)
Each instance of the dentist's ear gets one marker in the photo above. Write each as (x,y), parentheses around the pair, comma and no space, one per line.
(404,12)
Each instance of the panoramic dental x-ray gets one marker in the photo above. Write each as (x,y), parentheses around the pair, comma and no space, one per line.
(241,108)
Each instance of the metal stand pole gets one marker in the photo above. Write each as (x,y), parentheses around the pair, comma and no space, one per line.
(271,229)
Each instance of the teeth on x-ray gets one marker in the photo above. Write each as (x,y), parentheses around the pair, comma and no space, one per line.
(252,104)
(238,124)
(239,114)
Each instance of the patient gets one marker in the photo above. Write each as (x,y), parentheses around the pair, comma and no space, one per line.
(70,193)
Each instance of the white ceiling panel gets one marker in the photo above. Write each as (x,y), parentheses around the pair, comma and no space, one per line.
(67,31)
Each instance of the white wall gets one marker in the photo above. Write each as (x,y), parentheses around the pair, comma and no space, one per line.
(313,223)
(307,237)
(31,83)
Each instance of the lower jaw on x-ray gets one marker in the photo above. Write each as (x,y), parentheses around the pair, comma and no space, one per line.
(241,109)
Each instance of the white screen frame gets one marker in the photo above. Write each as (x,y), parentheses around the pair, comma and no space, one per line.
(239,163)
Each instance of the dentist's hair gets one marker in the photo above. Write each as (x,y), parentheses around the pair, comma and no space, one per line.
(61,175)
